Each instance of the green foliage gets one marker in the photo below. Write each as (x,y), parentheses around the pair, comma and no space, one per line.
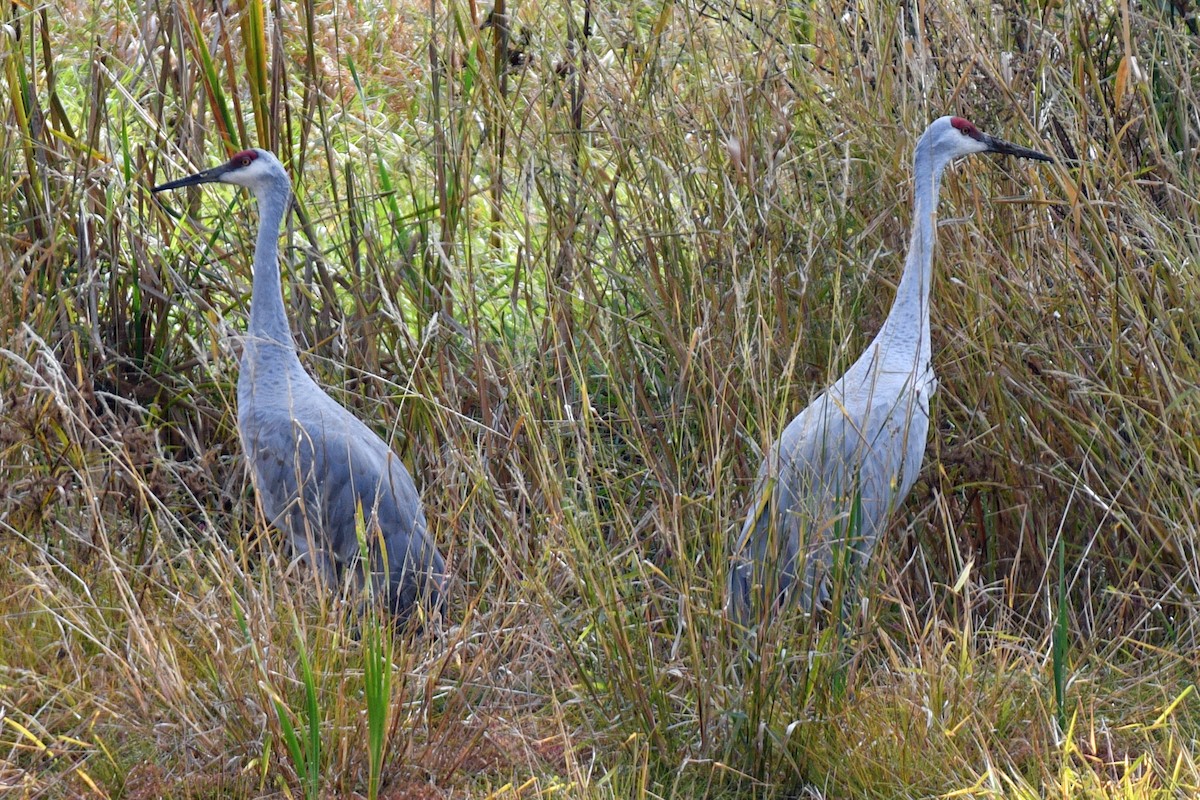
(377,688)
(305,750)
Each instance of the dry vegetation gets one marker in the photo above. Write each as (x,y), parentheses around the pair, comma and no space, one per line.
(579,279)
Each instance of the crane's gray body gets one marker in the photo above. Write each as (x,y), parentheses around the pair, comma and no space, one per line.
(321,475)
(829,484)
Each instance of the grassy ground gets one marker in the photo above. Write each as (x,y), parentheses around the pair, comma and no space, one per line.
(580,276)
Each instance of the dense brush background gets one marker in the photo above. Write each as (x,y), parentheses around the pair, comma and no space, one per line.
(579,270)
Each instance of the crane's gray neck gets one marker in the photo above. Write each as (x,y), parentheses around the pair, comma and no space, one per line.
(906,330)
(268,320)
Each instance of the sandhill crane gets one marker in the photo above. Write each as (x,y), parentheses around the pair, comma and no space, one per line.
(828,485)
(321,475)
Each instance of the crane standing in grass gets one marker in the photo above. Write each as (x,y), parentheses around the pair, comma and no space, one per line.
(828,485)
(323,477)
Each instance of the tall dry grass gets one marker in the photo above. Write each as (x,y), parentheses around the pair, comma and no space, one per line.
(580,270)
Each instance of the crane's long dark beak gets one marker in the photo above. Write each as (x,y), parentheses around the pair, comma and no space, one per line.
(207,176)
(1009,149)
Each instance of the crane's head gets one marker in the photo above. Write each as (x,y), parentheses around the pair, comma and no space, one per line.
(947,138)
(254,169)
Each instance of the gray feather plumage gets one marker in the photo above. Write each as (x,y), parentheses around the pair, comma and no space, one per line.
(322,476)
(829,484)
(827,487)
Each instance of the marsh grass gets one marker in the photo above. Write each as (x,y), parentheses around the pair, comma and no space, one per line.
(580,270)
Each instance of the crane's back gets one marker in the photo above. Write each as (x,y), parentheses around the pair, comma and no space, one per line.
(324,478)
(828,485)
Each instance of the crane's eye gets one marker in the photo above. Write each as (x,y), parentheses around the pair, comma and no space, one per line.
(965,127)
(245,161)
